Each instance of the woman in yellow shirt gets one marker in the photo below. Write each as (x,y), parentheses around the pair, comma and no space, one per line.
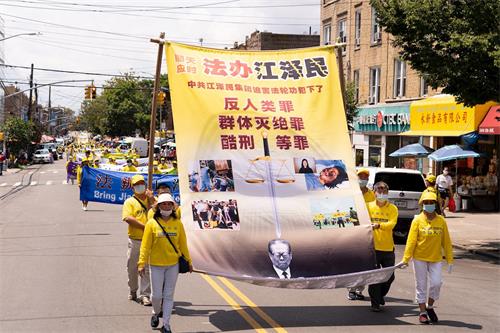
(427,240)
(163,258)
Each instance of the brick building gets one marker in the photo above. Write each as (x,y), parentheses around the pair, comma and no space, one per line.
(385,85)
(270,41)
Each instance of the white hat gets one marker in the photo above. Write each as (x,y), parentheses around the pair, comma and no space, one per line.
(165,197)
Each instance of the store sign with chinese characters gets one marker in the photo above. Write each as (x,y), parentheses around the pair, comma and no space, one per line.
(387,118)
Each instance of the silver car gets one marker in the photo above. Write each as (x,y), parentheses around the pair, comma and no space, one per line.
(42,156)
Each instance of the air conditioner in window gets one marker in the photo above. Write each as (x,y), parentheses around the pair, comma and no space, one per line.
(371,99)
(358,41)
(377,36)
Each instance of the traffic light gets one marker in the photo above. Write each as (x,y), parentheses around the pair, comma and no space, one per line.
(88,92)
(93,90)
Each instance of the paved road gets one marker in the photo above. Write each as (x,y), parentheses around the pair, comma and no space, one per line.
(63,270)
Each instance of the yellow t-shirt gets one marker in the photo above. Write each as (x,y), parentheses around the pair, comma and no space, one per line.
(155,247)
(369,196)
(131,207)
(428,240)
(79,174)
(387,217)
(129,168)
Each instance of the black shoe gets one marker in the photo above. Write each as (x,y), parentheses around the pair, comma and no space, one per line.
(155,321)
(375,307)
(165,330)
(360,297)
(432,315)
(382,302)
(351,296)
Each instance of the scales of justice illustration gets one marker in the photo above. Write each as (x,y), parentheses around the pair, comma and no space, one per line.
(258,175)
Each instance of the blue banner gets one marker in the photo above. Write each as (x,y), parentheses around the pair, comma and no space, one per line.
(114,186)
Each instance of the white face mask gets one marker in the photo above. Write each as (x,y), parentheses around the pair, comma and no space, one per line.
(382,197)
(363,182)
(129,163)
(166,213)
(140,189)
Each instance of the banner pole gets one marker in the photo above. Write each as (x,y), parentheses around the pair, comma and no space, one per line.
(152,124)
(340,61)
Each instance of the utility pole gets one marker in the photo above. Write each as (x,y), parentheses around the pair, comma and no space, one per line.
(31,93)
(36,98)
(49,113)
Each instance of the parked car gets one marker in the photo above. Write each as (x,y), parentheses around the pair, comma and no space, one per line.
(42,156)
(405,188)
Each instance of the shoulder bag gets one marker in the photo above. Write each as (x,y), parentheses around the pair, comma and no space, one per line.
(183,263)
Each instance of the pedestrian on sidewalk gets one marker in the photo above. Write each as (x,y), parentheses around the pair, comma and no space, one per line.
(356,293)
(134,213)
(384,217)
(427,240)
(163,242)
(444,184)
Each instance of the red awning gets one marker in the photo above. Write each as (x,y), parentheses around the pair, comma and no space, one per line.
(491,123)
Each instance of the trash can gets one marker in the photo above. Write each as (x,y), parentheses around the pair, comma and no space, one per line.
(465,203)
(458,204)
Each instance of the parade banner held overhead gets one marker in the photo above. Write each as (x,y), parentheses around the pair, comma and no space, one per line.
(266,173)
(114,187)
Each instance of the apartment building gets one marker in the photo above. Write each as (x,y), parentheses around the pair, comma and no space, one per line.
(385,85)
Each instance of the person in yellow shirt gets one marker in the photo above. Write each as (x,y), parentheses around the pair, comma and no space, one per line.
(163,164)
(134,213)
(156,170)
(427,241)
(430,183)
(112,161)
(356,293)
(163,242)
(129,167)
(384,217)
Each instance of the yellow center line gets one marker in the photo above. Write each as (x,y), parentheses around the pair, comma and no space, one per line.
(277,327)
(234,304)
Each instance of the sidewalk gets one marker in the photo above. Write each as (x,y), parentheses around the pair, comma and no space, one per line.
(475,232)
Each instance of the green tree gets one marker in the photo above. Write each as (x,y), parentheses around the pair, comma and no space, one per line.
(20,134)
(351,111)
(454,43)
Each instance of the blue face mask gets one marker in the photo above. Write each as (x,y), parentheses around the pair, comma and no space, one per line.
(429,208)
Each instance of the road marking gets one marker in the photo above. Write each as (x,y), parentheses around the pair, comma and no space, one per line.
(49,182)
(3,184)
(33,183)
(233,304)
(277,327)
(16,184)
(55,171)
(42,172)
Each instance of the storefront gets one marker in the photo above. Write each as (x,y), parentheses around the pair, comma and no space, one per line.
(377,129)
(446,123)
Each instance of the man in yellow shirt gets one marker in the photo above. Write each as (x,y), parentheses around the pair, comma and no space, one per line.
(356,293)
(163,164)
(384,217)
(427,240)
(430,183)
(129,167)
(134,213)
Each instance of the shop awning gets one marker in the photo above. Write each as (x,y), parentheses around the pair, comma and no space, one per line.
(491,123)
(434,133)
(441,115)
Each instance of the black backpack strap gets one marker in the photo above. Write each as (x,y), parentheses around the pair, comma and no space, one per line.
(139,201)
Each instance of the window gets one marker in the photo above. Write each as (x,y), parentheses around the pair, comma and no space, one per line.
(360,155)
(357,28)
(399,78)
(327,34)
(374,96)
(355,75)
(342,33)
(424,87)
(374,150)
(376,33)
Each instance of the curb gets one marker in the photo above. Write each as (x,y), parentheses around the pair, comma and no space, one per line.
(478,252)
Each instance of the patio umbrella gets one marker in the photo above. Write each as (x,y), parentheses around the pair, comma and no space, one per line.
(413,150)
(453,152)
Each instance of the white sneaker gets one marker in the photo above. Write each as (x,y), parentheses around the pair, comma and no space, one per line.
(85,208)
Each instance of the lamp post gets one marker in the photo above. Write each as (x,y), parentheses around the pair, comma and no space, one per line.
(22,34)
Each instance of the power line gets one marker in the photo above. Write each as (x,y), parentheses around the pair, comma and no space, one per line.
(75,72)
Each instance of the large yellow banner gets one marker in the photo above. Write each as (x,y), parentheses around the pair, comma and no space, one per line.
(268,187)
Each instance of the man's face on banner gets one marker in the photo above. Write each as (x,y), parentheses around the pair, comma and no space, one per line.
(280,254)
(328,175)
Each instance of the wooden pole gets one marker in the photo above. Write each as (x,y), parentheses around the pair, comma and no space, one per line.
(152,124)
(340,60)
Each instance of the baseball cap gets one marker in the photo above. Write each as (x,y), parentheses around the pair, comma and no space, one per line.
(165,197)
(428,196)
(431,178)
(363,170)
(137,178)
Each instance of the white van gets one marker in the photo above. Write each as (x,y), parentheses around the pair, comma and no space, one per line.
(405,188)
(141,146)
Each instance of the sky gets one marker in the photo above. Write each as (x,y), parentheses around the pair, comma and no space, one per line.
(112,36)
